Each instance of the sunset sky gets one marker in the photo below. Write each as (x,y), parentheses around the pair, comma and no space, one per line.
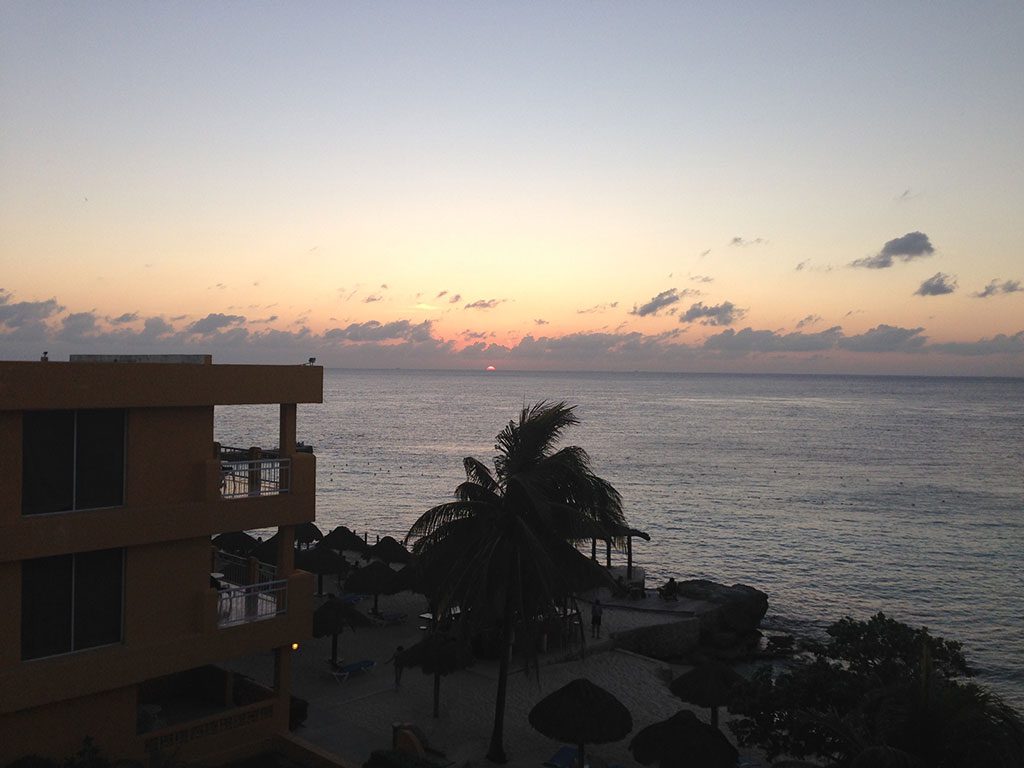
(774,187)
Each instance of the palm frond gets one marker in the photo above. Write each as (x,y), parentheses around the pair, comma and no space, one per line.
(442,514)
(478,473)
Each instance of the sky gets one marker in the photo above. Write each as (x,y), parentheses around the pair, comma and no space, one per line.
(666,186)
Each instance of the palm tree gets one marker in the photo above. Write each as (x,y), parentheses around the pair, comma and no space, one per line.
(501,550)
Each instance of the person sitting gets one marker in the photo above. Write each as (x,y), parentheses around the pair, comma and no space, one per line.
(670,590)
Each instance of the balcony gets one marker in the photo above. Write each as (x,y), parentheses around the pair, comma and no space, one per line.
(247,590)
(248,473)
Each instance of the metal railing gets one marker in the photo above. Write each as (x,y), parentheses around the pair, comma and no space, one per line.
(254,477)
(255,602)
(238,571)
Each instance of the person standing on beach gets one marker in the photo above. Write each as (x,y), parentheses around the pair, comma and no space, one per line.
(395,658)
(596,611)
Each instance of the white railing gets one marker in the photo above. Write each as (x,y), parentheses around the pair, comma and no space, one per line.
(238,571)
(255,477)
(241,605)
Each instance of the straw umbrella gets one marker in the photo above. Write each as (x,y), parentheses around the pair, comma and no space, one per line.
(341,538)
(306,534)
(683,741)
(375,579)
(332,617)
(390,551)
(235,542)
(709,685)
(322,561)
(581,713)
(438,653)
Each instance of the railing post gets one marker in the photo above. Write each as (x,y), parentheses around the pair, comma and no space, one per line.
(255,482)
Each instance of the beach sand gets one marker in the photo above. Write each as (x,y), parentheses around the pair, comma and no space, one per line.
(353,718)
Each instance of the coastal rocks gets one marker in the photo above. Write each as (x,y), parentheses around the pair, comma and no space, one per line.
(662,641)
(729,624)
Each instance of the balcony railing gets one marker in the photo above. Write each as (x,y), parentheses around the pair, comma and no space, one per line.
(241,571)
(254,477)
(255,602)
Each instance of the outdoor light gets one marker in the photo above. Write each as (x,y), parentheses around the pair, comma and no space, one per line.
(295,646)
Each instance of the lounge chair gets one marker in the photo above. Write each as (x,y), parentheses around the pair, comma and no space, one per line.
(565,757)
(344,672)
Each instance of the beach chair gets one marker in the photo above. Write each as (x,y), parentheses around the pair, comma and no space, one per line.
(388,619)
(564,757)
(344,672)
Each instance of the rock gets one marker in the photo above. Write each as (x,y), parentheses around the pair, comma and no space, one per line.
(662,641)
(741,608)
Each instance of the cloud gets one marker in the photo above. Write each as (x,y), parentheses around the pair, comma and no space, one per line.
(441,294)
(809,320)
(938,284)
(704,253)
(801,266)
(156,327)
(484,304)
(127,317)
(455,299)
(597,308)
(372,298)
(913,245)
(702,279)
(1000,344)
(538,321)
(467,334)
(214,322)
(886,338)
(725,313)
(994,287)
(372,331)
(659,302)
(20,313)
(78,326)
(742,243)
(749,340)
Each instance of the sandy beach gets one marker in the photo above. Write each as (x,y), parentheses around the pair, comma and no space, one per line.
(352,718)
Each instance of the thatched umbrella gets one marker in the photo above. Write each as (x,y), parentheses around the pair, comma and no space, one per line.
(375,579)
(322,561)
(438,653)
(581,713)
(332,617)
(390,551)
(267,551)
(307,533)
(341,538)
(683,741)
(709,685)
(236,542)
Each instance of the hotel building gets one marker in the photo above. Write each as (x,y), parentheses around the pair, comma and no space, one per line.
(115,611)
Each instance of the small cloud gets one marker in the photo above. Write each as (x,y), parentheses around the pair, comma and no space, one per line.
(704,253)
(659,302)
(264,320)
(455,299)
(383,286)
(886,338)
(938,284)
(213,323)
(538,321)
(801,266)
(372,298)
(483,304)
(742,242)
(809,320)
(725,313)
(467,334)
(441,294)
(906,194)
(597,308)
(702,279)
(994,287)
(127,317)
(913,245)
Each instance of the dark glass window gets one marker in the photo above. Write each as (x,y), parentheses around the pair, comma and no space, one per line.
(71,602)
(72,460)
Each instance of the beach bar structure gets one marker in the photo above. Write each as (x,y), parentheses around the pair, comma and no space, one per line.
(112,624)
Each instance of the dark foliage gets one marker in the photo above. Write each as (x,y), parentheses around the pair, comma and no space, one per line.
(880,688)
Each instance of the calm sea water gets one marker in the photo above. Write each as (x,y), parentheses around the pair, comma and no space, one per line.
(835,495)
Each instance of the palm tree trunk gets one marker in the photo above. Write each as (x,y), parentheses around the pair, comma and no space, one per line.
(437,694)
(496,751)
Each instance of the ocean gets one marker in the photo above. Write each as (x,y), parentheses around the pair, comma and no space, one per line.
(836,495)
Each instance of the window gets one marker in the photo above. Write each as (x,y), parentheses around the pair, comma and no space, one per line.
(71,602)
(72,460)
